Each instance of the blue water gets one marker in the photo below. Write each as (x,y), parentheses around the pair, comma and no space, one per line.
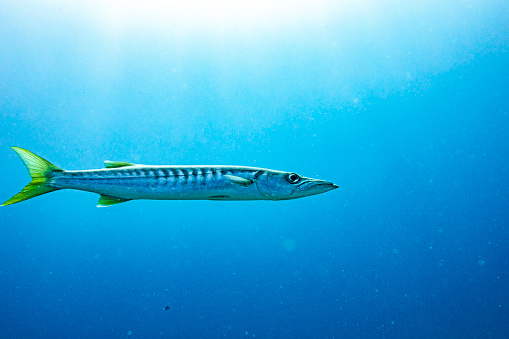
(404,105)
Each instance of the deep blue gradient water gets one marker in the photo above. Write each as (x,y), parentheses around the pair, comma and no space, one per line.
(404,105)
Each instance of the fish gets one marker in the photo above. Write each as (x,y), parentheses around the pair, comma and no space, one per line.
(119,182)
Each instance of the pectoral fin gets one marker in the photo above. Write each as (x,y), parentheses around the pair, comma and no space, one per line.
(107,200)
(238,180)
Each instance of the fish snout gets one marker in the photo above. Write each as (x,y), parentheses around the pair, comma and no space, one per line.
(314,186)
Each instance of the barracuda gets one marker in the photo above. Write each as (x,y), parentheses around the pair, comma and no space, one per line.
(122,181)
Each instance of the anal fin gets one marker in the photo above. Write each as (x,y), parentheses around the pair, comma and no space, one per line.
(108,200)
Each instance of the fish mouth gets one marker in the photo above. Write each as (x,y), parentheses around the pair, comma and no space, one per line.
(326,186)
(330,185)
(314,186)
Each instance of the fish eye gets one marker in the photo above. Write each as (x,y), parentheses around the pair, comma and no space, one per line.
(293,178)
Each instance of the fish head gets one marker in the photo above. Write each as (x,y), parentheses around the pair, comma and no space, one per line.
(288,185)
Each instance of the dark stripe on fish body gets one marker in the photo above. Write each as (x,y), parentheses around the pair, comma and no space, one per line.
(207,173)
(152,179)
(193,175)
(166,172)
(154,173)
(202,176)
(163,176)
(175,180)
(162,179)
(168,176)
(185,176)
(213,174)
(189,176)
(197,175)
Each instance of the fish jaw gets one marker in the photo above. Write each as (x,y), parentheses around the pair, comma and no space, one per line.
(312,187)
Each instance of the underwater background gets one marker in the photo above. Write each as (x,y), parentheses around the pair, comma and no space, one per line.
(403,104)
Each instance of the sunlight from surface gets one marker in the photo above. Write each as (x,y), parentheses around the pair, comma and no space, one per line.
(211,15)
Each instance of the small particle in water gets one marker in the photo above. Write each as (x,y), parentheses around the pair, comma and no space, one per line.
(129,333)
(166,308)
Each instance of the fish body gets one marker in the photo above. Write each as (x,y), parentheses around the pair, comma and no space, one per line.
(122,181)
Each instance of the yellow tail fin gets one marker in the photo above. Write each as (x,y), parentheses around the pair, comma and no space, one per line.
(40,170)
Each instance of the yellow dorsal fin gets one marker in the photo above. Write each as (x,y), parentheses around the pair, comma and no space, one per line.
(116,164)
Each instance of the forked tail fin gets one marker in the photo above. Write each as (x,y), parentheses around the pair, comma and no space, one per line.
(40,170)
